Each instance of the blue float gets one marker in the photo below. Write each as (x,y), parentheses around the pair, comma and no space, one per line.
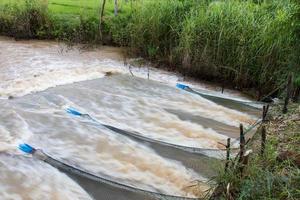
(73,112)
(182,86)
(26,148)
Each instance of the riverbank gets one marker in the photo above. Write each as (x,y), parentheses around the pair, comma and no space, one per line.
(240,44)
(275,174)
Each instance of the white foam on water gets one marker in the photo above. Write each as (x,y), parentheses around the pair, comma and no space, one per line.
(31,66)
(35,66)
(142,106)
(95,149)
(24,178)
(13,128)
(123,101)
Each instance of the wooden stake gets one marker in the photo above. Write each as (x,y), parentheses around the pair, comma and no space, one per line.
(265,112)
(242,142)
(245,162)
(263,139)
(227,154)
(288,94)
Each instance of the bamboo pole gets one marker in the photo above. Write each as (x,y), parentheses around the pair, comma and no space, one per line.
(288,94)
(263,139)
(242,142)
(227,154)
(265,112)
(263,130)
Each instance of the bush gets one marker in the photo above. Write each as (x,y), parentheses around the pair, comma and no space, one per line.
(25,21)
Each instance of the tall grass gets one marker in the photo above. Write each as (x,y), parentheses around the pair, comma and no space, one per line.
(250,44)
(271,175)
(264,178)
(24,20)
(156,26)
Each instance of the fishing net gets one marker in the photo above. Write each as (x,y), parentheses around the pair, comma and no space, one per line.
(82,173)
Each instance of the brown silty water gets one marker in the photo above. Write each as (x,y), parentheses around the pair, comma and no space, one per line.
(45,79)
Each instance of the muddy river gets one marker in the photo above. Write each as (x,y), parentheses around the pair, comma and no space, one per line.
(39,80)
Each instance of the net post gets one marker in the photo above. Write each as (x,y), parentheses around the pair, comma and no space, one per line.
(227,154)
(242,150)
(263,139)
(288,94)
(242,142)
(265,112)
(263,130)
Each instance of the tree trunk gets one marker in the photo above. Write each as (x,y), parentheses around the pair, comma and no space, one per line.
(101,18)
(116,7)
(296,94)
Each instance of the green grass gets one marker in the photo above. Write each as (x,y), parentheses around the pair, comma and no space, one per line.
(267,177)
(75,7)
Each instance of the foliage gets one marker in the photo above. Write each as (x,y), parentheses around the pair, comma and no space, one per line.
(25,21)
(238,39)
(156,26)
(265,177)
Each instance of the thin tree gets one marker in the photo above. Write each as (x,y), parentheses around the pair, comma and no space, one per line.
(116,7)
(101,17)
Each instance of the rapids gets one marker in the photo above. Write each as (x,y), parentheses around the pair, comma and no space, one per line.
(40,79)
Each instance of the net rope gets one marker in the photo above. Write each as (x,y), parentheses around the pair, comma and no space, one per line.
(74,170)
(147,139)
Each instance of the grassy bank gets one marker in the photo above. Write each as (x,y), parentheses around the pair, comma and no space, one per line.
(245,44)
(275,174)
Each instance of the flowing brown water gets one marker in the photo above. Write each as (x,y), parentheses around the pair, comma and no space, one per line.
(153,108)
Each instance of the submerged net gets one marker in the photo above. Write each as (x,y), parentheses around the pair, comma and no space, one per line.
(250,104)
(73,170)
(216,153)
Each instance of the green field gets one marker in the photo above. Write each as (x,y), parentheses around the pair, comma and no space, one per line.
(76,7)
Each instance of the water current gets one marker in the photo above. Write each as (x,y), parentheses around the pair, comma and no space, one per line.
(40,79)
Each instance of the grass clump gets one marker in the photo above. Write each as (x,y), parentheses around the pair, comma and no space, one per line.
(252,44)
(275,174)
(28,20)
(264,178)
(156,26)
(247,43)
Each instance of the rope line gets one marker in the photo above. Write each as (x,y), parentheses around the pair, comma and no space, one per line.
(189,89)
(40,155)
(279,87)
(139,135)
(60,165)
(256,123)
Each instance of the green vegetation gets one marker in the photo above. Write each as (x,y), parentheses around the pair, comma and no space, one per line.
(242,43)
(274,175)
(245,43)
